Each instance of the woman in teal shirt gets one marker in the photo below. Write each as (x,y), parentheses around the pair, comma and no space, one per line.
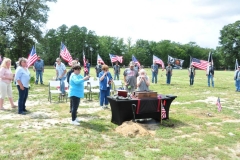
(76,91)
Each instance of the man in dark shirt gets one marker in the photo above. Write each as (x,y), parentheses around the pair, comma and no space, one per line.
(116,69)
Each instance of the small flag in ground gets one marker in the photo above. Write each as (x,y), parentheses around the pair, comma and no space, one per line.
(135,60)
(32,57)
(115,58)
(163,113)
(219,105)
(99,59)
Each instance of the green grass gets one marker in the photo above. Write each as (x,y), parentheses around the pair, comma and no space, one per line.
(194,135)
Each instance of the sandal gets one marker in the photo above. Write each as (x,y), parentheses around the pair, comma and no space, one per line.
(14,106)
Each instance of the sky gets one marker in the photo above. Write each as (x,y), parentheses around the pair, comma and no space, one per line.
(181,21)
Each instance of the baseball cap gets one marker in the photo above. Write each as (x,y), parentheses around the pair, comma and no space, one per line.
(131,63)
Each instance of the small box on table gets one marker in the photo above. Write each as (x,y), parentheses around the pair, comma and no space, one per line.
(145,94)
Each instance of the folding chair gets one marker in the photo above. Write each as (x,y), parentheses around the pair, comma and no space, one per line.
(53,84)
(87,90)
(116,85)
(94,88)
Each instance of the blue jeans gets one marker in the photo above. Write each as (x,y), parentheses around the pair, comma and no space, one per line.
(168,78)
(210,77)
(103,96)
(22,94)
(154,77)
(191,79)
(62,84)
(39,73)
(116,75)
(74,104)
(238,85)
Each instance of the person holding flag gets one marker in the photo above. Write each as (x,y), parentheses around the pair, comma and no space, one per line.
(237,78)
(98,68)
(210,74)
(154,68)
(116,69)
(236,70)
(191,73)
(65,54)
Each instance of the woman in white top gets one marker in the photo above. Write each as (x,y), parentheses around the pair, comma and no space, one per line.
(6,78)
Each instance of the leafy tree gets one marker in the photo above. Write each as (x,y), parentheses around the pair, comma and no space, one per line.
(22,21)
(230,42)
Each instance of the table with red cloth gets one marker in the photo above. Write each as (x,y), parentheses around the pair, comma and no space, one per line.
(145,108)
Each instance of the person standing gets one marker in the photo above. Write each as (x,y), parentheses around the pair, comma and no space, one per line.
(88,65)
(154,72)
(61,75)
(6,77)
(237,79)
(116,69)
(142,81)
(98,69)
(130,78)
(191,73)
(210,74)
(69,73)
(168,73)
(77,60)
(105,79)
(76,92)
(22,78)
(38,67)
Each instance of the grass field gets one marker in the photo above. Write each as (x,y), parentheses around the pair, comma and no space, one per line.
(199,132)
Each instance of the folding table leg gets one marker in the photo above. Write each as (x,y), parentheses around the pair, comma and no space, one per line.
(133,110)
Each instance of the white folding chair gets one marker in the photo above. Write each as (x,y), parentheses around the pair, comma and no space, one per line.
(91,79)
(53,84)
(116,85)
(94,88)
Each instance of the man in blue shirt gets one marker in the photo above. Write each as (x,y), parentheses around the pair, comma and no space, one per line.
(38,67)
(154,72)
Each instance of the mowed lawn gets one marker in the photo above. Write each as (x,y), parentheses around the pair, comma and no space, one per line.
(199,131)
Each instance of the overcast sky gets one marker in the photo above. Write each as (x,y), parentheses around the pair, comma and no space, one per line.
(181,21)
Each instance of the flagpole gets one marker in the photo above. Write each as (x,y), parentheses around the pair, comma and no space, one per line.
(60,50)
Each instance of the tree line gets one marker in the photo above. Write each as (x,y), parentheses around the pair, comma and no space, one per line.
(21,27)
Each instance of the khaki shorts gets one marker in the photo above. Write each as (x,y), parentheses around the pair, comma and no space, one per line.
(5,90)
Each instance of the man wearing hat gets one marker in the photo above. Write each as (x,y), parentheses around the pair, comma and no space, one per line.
(210,74)
(130,78)
(38,67)
(168,73)
(237,78)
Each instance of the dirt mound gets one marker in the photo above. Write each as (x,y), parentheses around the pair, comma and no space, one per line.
(131,129)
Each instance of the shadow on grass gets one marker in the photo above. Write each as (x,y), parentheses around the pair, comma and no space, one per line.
(98,125)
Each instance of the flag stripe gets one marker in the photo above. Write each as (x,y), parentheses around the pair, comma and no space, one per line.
(65,54)
(32,57)
(201,64)
(99,59)
(115,58)
(158,61)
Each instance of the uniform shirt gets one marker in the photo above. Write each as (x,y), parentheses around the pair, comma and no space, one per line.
(98,68)
(39,65)
(155,68)
(210,70)
(191,70)
(116,69)
(169,69)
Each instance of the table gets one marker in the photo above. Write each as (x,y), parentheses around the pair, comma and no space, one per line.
(122,109)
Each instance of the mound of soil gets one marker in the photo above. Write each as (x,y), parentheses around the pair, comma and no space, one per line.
(132,129)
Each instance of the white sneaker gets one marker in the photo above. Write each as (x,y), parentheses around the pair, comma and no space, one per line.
(77,120)
(106,106)
(75,123)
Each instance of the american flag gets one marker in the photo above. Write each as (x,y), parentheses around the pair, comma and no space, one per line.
(65,54)
(135,60)
(219,105)
(32,57)
(115,58)
(201,64)
(158,61)
(99,59)
(84,63)
(163,112)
